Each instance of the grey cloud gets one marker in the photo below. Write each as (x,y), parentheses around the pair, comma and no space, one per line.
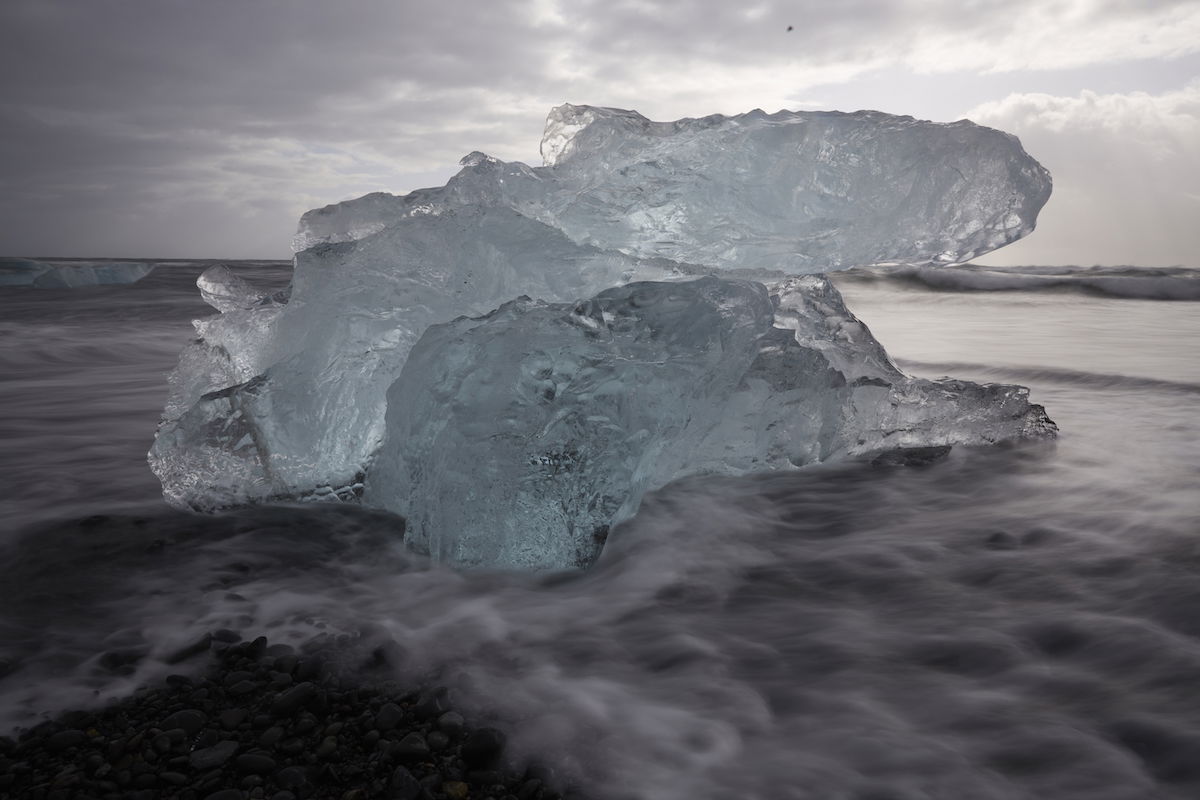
(121,113)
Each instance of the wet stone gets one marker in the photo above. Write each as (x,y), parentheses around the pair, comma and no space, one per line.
(237,677)
(291,746)
(66,739)
(226,794)
(190,720)
(291,778)
(432,704)
(231,718)
(411,748)
(389,716)
(173,778)
(214,756)
(255,764)
(292,700)
(403,785)
(483,747)
(270,737)
(328,747)
(451,723)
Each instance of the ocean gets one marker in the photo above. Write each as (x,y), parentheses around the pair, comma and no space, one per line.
(1015,622)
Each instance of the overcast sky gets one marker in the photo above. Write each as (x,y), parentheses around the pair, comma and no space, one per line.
(204,128)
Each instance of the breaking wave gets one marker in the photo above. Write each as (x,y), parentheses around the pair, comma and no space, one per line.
(1134,283)
(1066,377)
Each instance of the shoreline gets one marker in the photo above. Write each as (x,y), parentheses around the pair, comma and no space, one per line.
(268,721)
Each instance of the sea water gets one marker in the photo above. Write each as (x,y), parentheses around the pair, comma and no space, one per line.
(1020,622)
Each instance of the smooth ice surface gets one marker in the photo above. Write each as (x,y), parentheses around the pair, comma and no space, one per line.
(70,274)
(282,397)
(519,438)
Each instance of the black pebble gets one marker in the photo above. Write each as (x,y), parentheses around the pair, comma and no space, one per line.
(189,719)
(292,700)
(403,785)
(255,764)
(65,739)
(388,717)
(483,747)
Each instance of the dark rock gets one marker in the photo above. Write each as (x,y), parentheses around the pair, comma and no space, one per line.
(432,704)
(485,777)
(306,723)
(207,739)
(286,663)
(291,778)
(173,778)
(147,780)
(257,648)
(291,747)
(451,723)
(411,748)
(227,635)
(403,786)
(65,739)
(189,719)
(388,717)
(437,741)
(530,790)
(255,763)
(292,700)
(215,756)
(483,747)
(328,747)
(242,688)
(226,794)
(232,717)
(237,676)
(283,794)
(270,737)
(309,669)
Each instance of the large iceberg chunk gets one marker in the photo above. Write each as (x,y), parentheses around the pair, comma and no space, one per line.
(70,274)
(295,402)
(283,397)
(518,438)
(803,192)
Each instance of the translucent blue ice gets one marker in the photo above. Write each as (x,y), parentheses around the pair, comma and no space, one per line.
(286,398)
